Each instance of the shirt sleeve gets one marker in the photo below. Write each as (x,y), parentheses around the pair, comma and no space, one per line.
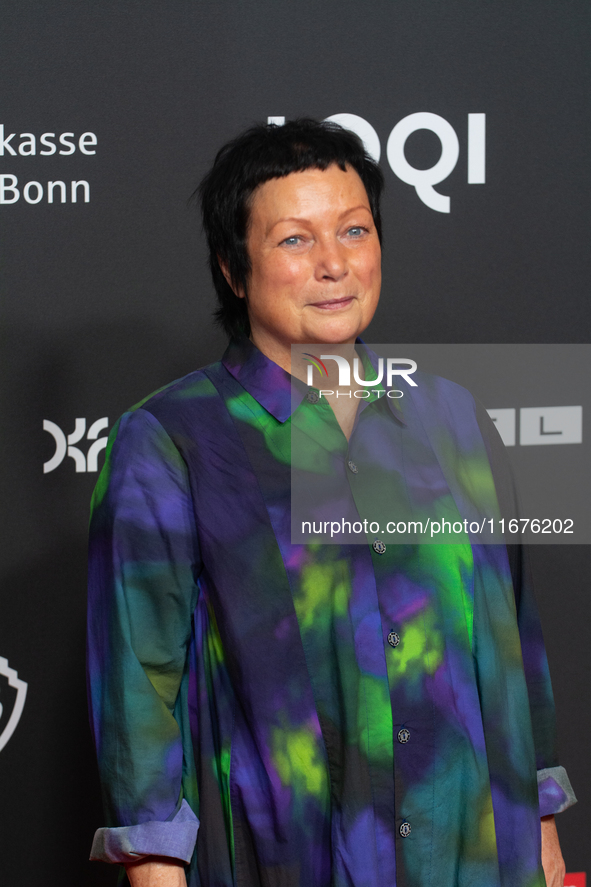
(143,569)
(554,788)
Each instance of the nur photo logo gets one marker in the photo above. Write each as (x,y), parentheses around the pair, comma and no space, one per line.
(386,371)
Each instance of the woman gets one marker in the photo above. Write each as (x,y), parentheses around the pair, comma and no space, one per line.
(312,715)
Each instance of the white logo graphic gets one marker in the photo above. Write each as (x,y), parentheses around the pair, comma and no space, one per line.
(422,180)
(19,702)
(345,370)
(551,425)
(540,426)
(64,446)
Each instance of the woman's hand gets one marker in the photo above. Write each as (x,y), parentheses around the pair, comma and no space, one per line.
(157,871)
(552,861)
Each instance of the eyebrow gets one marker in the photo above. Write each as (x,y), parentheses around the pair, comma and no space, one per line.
(304,220)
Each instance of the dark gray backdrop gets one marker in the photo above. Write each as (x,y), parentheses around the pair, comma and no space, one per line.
(105,300)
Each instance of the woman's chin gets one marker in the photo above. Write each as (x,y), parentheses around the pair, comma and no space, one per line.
(334,331)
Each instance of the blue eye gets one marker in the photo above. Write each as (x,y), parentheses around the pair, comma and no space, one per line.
(291,241)
(356,231)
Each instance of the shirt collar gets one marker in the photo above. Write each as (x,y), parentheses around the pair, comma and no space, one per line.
(271,385)
(265,380)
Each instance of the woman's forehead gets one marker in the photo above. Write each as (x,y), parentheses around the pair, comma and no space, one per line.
(309,191)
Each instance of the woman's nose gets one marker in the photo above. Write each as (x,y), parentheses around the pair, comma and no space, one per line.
(331,260)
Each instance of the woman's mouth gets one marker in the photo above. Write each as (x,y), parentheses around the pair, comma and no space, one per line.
(333,304)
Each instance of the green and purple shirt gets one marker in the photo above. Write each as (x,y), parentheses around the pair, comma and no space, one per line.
(311,715)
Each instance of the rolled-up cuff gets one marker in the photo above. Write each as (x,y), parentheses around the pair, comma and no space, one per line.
(175,838)
(555,791)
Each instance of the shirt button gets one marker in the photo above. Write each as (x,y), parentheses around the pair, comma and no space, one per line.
(393,639)
(403,735)
(352,466)
(378,546)
(405,829)
(312,396)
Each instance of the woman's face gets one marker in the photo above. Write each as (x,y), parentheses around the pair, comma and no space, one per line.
(315,258)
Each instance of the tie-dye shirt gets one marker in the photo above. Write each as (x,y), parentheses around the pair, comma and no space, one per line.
(310,715)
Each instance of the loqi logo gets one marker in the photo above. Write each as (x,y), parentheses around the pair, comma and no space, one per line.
(422,180)
(13,693)
(539,426)
(64,446)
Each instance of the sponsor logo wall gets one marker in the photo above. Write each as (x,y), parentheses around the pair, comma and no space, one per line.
(110,115)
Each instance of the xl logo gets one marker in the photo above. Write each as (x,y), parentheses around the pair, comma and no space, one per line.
(64,446)
(540,426)
(422,180)
(13,694)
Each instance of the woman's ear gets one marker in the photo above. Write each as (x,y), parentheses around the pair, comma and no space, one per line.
(238,291)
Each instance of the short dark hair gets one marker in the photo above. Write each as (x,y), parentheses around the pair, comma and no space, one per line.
(263,152)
